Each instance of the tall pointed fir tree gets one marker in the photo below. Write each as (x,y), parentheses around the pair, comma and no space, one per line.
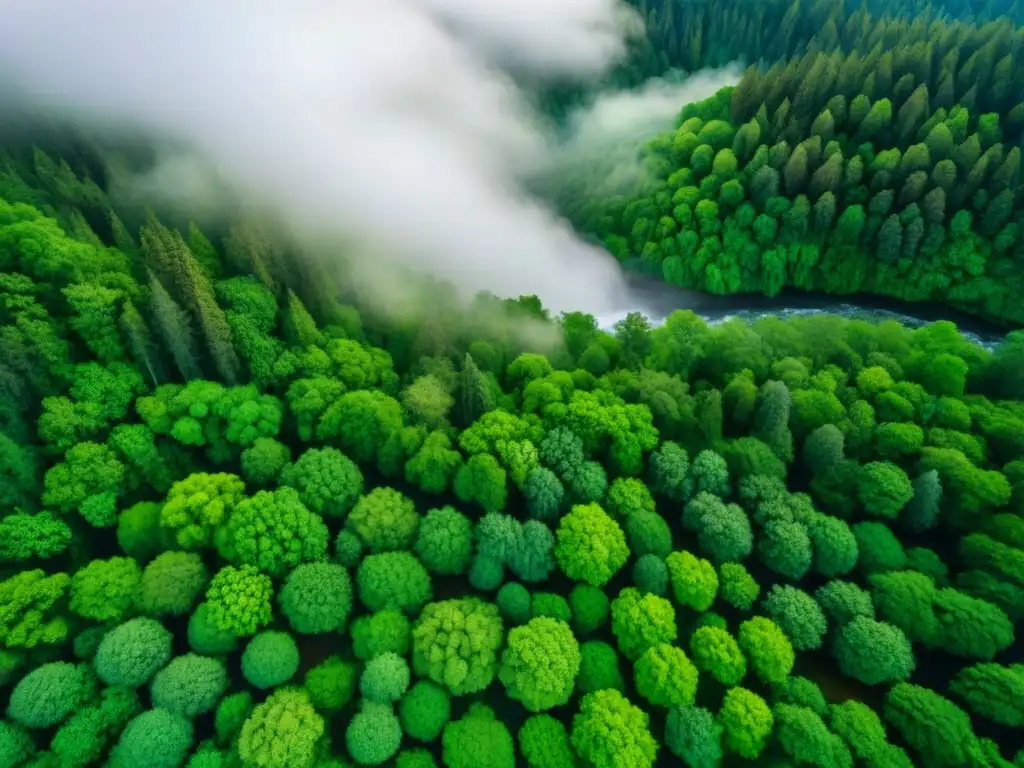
(158,250)
(205,252)
(173,323)
(140,343)
(250,250)
(200,298)
(123,239)
(474,395)
(299,325)
(171,259)
(80,229)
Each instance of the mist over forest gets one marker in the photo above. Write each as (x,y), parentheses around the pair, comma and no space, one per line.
(558,384)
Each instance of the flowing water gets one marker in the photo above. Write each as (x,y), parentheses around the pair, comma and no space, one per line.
(658,300)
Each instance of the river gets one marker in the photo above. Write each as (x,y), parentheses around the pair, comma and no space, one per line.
(657,300)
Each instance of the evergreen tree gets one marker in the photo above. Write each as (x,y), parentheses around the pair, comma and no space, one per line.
(966,155)
(796,171)
(300,327)
(204,251)
(173,323)
(940,142)
(140,343)
(1005,176)
(171,256)
(158,249)
(123,239)
(890,239)
(473,395)
(211,317)
(827,178)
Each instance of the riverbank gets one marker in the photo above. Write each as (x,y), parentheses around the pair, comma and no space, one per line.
(657,300)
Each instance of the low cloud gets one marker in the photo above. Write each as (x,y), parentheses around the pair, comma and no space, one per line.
(393,126)
(598,153)
(630,116)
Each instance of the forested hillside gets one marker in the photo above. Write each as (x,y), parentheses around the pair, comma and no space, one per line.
(694,35)
(861,154)
(249,520)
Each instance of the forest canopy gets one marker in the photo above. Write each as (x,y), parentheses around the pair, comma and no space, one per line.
(863,152)
(249,520)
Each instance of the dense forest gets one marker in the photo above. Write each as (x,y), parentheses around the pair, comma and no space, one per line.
(859,154)
(251,521)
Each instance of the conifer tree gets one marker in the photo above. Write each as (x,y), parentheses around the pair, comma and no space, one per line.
(939,142)
(140,343)
(211,317)
(300,327)
(827,178)
(473,395)
(80,229)
(796,171)
(167,252)
(966,155)
(123,239)
(1005,176)
(890,239)
(204,251)
(250,248)
(173,323)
